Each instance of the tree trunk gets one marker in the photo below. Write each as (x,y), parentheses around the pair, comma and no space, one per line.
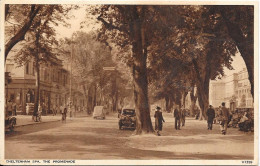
(171,103)
(85,93)
(185,93)
(167,103)
(95,96)
(203,96)
(178,98)
(7,8)
(193,98)
(144,123)
(116,100)
(203,86)
(90,100)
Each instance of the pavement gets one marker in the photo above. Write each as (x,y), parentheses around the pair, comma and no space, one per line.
(24,120)
(85,138)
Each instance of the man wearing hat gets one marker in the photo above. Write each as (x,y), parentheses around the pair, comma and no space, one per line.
(158,120)
(224,114)
(211,116)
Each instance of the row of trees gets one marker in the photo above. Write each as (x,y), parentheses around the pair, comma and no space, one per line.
(170,49)
(177,48)
(89,60)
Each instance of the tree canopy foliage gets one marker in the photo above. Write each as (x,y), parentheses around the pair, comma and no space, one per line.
(88,57)
(24,18)
(172,41)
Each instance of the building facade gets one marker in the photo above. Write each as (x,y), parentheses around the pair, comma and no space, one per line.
(54,86)
(234,90)
(243,91)
(216,92)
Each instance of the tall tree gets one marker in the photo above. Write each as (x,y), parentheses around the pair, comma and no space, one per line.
(129,23)
(207,53)
(196,45)
(40,46)
(137,27)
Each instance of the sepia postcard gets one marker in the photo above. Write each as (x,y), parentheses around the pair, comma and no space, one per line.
(129,82)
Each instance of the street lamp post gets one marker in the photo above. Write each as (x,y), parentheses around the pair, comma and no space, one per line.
(71,71)
(70,100)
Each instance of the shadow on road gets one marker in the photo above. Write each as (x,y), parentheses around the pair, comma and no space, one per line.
(91,139)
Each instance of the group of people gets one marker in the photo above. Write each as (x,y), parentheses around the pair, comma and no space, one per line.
(223,117)
(242,119)
(179,115)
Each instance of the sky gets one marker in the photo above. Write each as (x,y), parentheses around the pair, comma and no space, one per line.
(238,65)
(77,17)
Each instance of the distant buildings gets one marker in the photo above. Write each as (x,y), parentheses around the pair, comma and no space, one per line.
(234,90)
(243,91)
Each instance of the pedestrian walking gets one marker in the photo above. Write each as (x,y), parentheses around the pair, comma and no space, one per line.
(54,110)
(158,120)
(9,107)
(223,118)
(44,109)
(182,116)
(27,109)
(14,109)
(39,113)
(64,113)
(176,114)
(211,115)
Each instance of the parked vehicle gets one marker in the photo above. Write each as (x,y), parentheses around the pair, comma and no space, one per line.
(99,112)
(127,119)
(10,123)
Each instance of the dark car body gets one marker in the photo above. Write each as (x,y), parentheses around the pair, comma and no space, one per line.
(127,118)
(10,123)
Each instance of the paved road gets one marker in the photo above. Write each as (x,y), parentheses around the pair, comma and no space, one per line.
(85,138)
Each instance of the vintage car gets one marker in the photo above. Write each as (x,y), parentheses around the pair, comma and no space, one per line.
(10,123)
(99,112)
(127,118)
